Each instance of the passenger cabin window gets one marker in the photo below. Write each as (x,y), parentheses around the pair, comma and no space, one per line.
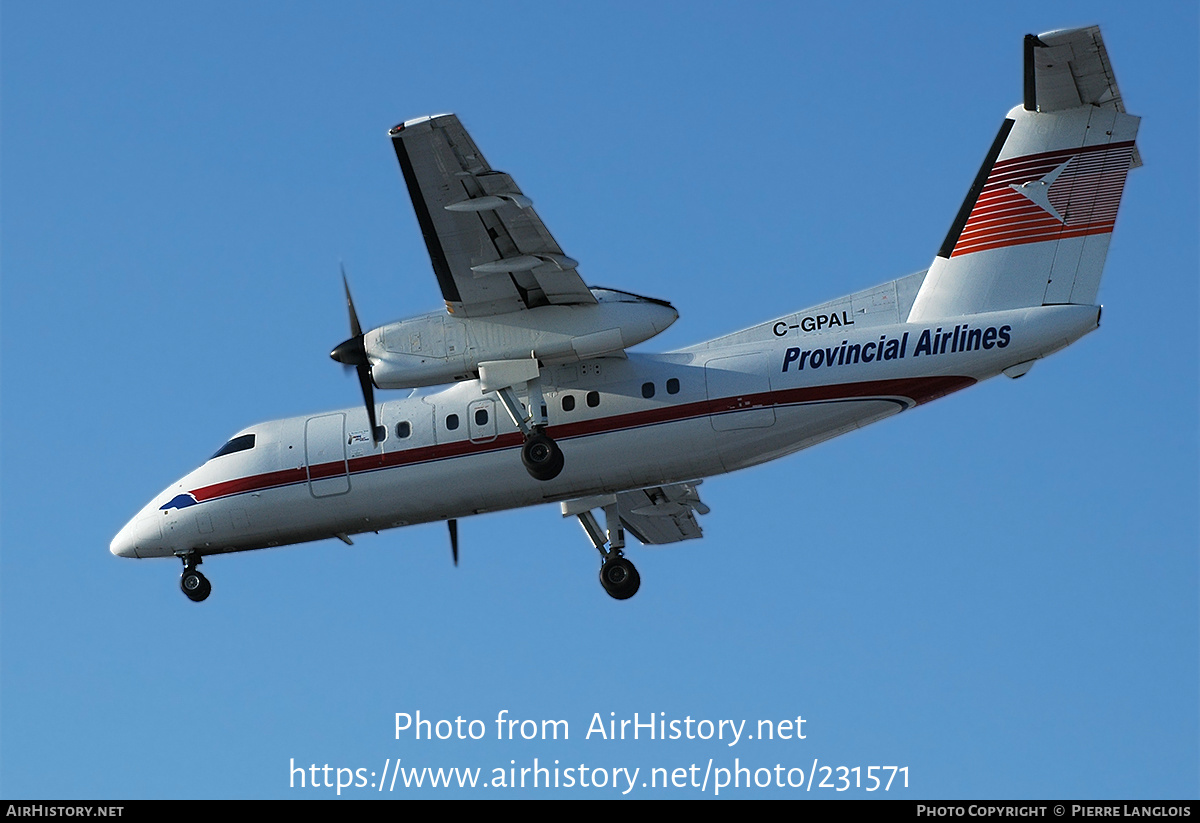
(568,402)
(481,417)
(673,386)
(237,444)
(647,390)
(593,399)
(403,429)
(452,422)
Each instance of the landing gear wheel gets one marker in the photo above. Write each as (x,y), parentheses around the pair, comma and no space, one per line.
(542,457)
(195,585)
(619,578)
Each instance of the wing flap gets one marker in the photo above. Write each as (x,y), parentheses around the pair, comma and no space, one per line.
(663,514)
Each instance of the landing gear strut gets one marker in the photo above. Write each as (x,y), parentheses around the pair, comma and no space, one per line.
(540,455)
(617,575)
(194,584)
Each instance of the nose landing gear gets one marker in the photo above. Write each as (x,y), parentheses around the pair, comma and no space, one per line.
(194,584)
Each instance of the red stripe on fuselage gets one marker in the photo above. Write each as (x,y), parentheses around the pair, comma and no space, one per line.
(919,390)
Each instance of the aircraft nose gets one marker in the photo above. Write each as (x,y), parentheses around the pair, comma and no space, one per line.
(124,544)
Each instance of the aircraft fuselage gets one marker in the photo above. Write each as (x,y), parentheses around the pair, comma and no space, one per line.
(622,424)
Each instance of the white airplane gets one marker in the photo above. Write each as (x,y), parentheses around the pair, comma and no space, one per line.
(547,405)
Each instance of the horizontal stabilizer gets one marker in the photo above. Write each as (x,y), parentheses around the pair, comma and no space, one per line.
(1070,68)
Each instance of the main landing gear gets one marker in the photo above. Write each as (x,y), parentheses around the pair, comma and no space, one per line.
(540,455)
(194,584)
(617,575)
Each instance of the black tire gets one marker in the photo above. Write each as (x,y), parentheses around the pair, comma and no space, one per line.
(542,457)
(195,585)
(559,461)
(620,578)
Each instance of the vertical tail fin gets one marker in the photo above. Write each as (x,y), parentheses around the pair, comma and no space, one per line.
(1035,226)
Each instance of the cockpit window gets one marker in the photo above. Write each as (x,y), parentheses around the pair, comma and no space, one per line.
(237,444)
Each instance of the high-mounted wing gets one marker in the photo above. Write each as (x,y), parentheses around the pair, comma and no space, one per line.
(490,251)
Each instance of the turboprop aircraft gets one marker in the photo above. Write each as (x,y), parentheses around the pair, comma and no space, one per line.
(545,402)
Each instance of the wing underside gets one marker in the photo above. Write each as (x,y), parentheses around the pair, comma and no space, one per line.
(664,514)
(490,251)
(654,515)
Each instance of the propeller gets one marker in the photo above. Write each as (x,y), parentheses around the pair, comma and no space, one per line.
(353,352)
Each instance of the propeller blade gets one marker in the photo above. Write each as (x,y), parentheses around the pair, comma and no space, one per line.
(355,328)
(368,390)
(353,352)
(453,524)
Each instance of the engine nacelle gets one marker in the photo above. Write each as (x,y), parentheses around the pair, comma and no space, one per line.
(439,348)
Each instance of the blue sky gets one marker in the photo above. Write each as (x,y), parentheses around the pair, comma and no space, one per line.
(997,591)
